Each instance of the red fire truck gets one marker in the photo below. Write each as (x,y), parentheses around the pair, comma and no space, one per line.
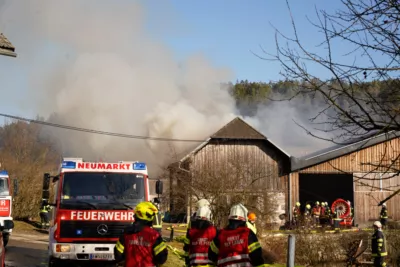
(93,203)
(6,199)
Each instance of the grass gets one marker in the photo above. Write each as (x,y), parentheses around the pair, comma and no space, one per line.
(22,226)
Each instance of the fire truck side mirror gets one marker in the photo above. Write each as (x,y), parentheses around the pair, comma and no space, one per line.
(46,181)
(15,189)
(159,187)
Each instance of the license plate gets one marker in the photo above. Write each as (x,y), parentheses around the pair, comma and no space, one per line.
(102,256)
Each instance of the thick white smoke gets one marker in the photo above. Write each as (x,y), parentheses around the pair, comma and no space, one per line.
(94,65)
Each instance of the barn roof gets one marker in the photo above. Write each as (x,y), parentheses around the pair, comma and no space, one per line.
(236,129)
(337,151)
(6,47)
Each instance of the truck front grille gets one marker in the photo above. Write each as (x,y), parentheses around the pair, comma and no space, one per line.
(96,229)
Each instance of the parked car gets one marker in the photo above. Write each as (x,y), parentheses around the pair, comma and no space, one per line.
(8,224)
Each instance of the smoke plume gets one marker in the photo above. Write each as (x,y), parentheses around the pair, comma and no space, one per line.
(93,64)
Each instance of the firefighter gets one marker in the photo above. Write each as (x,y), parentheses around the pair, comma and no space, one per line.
(297,213)
(384,216)
(351,215)
(141,245)
(44,214)
(236,245)
(316,212)
(328,211)
(251,222)
(336,219)
(202,202)
(198,239)
(378,245)
(157,221)
(307,215)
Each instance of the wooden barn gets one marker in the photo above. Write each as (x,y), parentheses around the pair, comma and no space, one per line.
(234,162)
(351,172)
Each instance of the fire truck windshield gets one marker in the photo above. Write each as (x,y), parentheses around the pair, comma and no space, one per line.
(4,189)
(102,190)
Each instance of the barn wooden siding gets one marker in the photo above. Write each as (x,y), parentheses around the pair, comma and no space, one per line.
(264,161)
(359,163)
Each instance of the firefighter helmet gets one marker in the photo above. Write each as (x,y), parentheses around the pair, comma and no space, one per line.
(203,213)
(202,202)
(251,216)
(384,204)
(317,203)
(146,211)
(238,212)
(378,224)
(298,204)
(308,206)
(322,204)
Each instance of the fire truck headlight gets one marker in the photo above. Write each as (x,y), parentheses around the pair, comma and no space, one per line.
(63,248)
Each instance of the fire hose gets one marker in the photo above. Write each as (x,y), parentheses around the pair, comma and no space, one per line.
(177,252)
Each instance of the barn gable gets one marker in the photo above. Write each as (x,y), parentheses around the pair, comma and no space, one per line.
(237,129)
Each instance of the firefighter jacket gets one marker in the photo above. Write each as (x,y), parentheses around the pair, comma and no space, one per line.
(157,222)
(252,227)
(316,211)
(197,243)
(45,208)
(236,245)
(384,214)
(141,246)
(328,211)
(323,211)
(378,244)
(296,212)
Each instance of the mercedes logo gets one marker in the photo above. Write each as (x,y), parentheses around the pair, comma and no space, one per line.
(102,229)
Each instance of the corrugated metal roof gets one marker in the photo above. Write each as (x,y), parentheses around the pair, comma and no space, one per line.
(340,150)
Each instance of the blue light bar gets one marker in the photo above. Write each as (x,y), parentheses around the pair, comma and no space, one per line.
(139,166)
(68,165)
(78,232)
(4,172)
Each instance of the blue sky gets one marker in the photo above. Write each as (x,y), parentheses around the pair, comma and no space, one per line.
(224,31)
(227,31)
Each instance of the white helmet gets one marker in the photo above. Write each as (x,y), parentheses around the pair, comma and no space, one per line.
(378,224)
(238,212)
(384,204)
(204,213)
(202,202)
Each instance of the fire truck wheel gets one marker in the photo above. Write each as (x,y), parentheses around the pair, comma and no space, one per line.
(6,237)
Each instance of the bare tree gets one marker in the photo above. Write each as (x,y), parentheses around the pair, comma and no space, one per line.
(26,154)
(362,97)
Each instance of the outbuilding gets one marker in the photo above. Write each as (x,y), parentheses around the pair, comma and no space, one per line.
(364,172)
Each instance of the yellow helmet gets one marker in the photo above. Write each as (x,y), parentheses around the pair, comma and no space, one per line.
(146,211)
